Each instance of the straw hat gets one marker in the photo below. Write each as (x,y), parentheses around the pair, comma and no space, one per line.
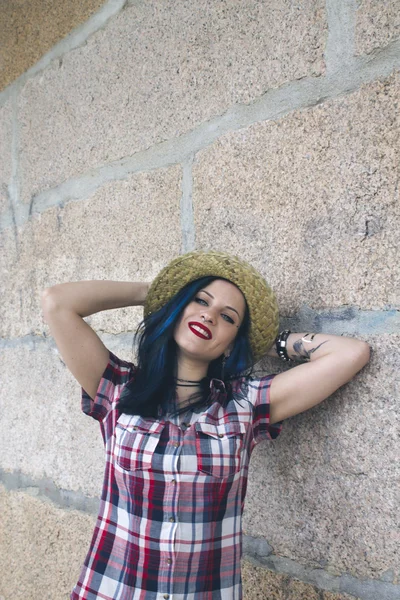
(261,300)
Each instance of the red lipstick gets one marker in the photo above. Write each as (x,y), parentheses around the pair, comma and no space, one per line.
(205,334)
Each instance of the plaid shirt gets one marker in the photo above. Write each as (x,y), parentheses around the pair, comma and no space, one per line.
(170,517)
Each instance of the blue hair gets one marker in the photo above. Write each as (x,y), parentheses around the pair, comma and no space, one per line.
(153,385)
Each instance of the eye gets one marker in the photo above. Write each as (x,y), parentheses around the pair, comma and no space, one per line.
(228,318)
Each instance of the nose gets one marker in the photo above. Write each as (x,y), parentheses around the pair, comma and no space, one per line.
(207,317)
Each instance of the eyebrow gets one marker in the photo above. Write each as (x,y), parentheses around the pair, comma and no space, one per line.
(230,307)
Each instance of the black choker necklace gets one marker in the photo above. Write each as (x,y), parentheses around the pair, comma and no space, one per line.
(187,380)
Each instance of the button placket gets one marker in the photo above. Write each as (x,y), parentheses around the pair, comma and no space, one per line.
(171,501)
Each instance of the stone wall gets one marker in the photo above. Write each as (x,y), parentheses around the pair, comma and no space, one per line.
(266,129)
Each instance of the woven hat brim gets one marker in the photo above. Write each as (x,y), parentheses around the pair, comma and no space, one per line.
(261,300)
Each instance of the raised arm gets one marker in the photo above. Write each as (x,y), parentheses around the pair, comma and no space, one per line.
(64,306)
(333,361)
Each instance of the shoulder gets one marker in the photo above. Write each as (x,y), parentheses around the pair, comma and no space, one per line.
(253,387)
(118,371)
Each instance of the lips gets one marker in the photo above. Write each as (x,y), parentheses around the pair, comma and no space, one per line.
(200,330)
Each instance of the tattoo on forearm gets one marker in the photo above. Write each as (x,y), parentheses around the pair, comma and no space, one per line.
(304,348)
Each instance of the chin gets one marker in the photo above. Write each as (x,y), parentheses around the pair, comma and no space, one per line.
(193,354)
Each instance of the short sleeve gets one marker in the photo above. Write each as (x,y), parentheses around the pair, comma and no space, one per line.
(259,397)
(116,374)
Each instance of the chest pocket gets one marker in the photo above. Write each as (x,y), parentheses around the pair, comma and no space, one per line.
(136,439)
(218,448)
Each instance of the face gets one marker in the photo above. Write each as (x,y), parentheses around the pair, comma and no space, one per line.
(223,306)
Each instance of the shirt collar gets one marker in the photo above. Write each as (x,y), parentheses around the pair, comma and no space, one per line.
(218,389)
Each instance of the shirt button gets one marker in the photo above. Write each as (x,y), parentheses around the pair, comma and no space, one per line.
(220,435)
(173,481)
(166,596)
(169,560)
(172,519)
(176,444)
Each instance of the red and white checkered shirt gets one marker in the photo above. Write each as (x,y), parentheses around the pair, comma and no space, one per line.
(170,518)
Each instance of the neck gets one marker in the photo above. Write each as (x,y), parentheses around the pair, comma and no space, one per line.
(189,370)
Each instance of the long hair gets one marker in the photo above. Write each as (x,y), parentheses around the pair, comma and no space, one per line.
(152,388)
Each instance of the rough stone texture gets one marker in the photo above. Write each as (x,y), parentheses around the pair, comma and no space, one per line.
(44,432)
(155,72)
(377,24)
(115,234)
(42,548)
(27,35)
(326,493)
(261,584)
(5,154)
(311,200)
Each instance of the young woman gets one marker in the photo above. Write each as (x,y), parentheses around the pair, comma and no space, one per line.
(179,426)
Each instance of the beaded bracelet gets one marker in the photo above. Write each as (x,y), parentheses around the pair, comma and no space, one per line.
(280,344)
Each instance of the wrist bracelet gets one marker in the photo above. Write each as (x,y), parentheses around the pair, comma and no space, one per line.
(281,346)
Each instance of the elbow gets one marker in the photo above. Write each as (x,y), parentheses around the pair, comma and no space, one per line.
(47,298)
(368,350)
(45,294)
(365,353)
(359,358)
